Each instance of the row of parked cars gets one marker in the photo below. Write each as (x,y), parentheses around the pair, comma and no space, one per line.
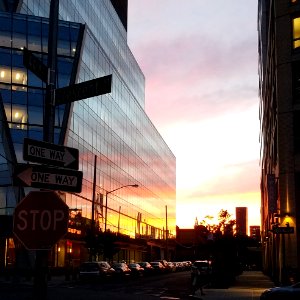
(94,269)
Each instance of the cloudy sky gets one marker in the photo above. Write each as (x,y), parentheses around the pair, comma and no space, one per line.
(200,61)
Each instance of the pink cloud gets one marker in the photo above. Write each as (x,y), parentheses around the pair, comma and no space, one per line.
(196,77)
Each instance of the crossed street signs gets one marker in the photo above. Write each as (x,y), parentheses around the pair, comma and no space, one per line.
(51,154)
(71,93)
(39,176)
(83,90)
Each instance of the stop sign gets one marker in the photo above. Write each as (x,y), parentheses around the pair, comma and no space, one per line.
(40,220)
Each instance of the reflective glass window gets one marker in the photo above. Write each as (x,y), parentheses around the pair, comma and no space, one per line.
(18,135)
(19,33)
(19,97)
(17,59)
(5,31)
(5,57)
(35,97)
(34,36)
(35,115)
(45,33)
(35,132)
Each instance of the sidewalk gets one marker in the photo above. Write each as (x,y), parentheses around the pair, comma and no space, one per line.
(248,286)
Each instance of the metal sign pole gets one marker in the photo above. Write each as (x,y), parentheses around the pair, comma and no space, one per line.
(41,264)
(49,112)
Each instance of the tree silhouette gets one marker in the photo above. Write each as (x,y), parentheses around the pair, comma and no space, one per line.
(220,247)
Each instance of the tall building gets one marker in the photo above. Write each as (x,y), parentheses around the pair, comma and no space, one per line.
(241,214)
(279,72)
(119,147)
(255,232)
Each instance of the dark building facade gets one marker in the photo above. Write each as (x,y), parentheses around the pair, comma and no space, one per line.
(279,72)
(128,169)
(255,232)
(241,214)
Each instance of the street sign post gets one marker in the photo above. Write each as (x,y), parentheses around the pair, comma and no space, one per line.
(40,220)
(35,65)
(83,90)
(283,229)
(51,154)
(39,176)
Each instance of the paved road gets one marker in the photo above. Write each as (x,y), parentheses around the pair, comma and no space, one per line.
(248,286)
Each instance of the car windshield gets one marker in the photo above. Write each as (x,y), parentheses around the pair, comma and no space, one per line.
(89,267)
(105,265)
(201,264)
(118,265)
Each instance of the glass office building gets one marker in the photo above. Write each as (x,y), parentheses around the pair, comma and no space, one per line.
(118,145)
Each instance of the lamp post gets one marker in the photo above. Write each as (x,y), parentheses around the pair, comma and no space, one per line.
(121,187)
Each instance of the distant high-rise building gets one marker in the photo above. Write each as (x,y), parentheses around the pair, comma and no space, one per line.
(255,232)
(279,83)
(241,214)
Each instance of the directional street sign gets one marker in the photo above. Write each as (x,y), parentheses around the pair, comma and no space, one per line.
(35,65)
(43,177)
(83,90)
(283,229)
(40,220)
(51,154)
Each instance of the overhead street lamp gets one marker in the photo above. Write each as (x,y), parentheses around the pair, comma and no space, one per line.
(109,192)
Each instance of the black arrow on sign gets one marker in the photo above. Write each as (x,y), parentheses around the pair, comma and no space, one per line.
(42,177)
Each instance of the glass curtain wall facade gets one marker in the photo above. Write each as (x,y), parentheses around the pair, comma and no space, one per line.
(113,127)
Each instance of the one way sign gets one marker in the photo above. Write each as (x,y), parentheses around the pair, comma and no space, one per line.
(42,177)
(51,154)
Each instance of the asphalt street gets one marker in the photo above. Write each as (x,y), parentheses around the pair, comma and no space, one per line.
(248,286)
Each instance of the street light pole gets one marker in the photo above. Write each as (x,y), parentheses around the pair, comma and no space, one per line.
(121,187)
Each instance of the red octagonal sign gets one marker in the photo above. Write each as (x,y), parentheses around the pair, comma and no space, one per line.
(40,220)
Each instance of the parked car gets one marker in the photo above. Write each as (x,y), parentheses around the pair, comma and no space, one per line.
(95,269)
(148,269)
(291,292)
(165,264)
(121,268)
(179,266)
(158,267)
(172,266)
(188,264)
(204,266)
(136,269)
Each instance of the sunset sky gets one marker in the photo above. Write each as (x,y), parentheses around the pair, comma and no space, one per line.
(200,61)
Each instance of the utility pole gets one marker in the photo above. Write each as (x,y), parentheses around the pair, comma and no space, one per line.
(109,192)
(93,210)
(167,233)
(119,219)
(41,263)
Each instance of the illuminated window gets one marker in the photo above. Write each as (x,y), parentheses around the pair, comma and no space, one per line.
(17,76)
(296,32)
(16,116)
